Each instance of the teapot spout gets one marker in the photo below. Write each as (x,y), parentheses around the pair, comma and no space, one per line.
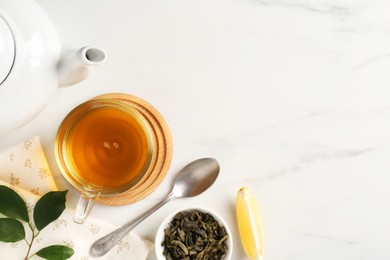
(74,67)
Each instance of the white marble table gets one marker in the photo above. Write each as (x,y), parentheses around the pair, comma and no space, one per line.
(291,96)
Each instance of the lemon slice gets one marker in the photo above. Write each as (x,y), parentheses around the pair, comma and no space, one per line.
(249,224)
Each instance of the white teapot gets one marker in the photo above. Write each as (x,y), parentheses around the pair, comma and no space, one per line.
(32,64)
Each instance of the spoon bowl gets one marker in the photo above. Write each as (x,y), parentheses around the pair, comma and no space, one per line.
(196,177)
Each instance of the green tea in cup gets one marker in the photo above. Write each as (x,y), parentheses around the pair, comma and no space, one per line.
(103,147)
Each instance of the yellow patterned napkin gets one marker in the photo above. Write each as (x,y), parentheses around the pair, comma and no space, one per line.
(24,168)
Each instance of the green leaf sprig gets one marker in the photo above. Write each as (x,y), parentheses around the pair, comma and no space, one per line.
(48,208)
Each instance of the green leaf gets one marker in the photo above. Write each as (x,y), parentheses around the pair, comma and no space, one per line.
(56,252)
(49,208)
(11,230)
(12,205)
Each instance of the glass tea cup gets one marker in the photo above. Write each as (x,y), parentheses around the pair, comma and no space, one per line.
(103,147)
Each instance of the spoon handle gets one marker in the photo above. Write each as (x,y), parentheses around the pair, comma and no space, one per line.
(106,243)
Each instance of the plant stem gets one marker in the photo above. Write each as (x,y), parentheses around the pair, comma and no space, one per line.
(33,236)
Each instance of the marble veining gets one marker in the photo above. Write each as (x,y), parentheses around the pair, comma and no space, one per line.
(290,96)
(335,9)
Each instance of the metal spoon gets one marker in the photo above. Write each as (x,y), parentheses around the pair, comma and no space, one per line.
(192,180)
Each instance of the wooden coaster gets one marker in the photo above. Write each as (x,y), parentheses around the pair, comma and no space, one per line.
(161,159)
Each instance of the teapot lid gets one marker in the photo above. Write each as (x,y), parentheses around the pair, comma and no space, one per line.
(7,50)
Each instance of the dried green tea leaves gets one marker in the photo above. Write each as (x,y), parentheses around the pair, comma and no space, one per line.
(194,235)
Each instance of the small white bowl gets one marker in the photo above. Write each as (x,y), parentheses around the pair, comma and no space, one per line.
(159,249)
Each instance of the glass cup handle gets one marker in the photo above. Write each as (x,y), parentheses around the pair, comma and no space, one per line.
(83,208)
